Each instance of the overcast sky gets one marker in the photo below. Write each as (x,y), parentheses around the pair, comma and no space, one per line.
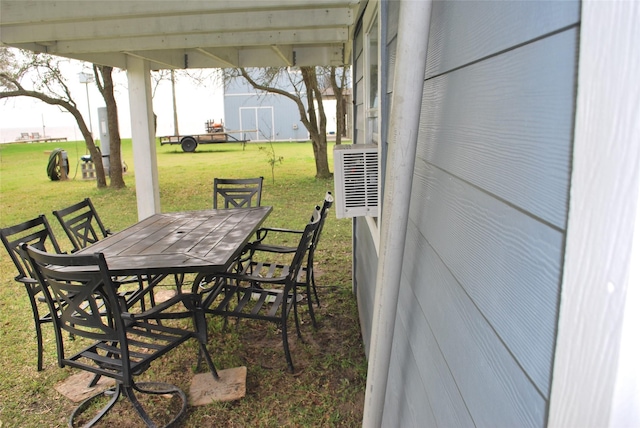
(197,103)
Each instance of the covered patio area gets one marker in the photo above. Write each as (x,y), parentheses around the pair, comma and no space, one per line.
(139,36)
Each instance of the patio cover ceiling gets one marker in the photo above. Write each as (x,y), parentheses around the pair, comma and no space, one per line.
(181,34)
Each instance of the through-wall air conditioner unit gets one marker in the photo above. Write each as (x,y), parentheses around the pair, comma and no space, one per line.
(356,180)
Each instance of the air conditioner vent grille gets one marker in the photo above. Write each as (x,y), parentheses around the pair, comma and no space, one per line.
(356,180)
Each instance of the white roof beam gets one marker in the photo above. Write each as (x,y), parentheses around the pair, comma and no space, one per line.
(21,11)
(166,59)
(227,57)
(260,57)
(285,53)
(319,55)
(229,39)
(118,60)
(202,23)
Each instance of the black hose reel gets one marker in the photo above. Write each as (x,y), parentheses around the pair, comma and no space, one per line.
(58,165)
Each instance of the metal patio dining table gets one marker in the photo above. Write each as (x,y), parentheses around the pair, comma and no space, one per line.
(180,243)
(205,241)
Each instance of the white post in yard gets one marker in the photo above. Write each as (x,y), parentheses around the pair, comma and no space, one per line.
(413,39)
(143,137)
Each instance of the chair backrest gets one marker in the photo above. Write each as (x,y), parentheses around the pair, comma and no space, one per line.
(237,192)
(82,299)
(328,202)
(35,232)
(82,224)
(303,247)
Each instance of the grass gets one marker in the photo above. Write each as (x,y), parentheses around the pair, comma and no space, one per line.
(327,389)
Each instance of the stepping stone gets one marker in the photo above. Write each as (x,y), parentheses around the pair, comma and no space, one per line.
(231,386)
(76,387)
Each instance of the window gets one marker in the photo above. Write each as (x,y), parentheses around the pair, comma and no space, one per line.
(372,82)
(372,100)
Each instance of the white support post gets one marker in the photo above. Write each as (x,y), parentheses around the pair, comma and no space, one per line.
(413,39)
(143,136)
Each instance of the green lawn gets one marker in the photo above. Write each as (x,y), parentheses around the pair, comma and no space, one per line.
(328,386)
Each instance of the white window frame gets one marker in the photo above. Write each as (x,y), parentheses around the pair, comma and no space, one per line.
(372,133)
(372,113)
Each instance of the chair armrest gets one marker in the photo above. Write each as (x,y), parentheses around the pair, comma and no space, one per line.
(281,249)
(258,245)
(261,234)
(26,280)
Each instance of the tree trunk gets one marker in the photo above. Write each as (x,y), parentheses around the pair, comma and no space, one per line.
(96,156)
(318,131)
(115,156)
(308,116)
(340,104)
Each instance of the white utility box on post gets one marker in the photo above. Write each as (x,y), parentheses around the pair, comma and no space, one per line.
(356,180)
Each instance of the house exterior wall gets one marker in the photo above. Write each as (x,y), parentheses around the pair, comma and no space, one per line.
(364,274)
(358,89)
(478,307)
(364,250)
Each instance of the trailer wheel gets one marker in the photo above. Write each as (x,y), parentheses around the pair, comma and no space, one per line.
(189,144)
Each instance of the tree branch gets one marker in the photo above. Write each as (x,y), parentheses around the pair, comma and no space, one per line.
(303,114)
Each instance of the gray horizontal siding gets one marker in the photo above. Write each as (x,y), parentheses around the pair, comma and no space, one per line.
(391,19)
(477,313)
(365,271)
(442,395)
(505,125)
(478,377)
(466,31)
(405,396)
(391,66)
(508,263)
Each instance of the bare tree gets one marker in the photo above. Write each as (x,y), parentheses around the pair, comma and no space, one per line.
(28,74)
(104,81)
(306,94)
(341,107)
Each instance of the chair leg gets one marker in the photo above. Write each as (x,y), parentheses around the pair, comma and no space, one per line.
(212,368)
(40,345)
(37,321)
(313,285)
(285,345)
(94,381)
(295,314)
(158,388)
(87,403)
(310,305)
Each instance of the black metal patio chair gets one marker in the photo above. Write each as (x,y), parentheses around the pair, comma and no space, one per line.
(83,226)
(36,232)
(122,344)
(306,277)
(237,192)
(259,290)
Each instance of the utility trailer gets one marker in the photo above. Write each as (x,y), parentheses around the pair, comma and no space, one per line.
(215,134)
